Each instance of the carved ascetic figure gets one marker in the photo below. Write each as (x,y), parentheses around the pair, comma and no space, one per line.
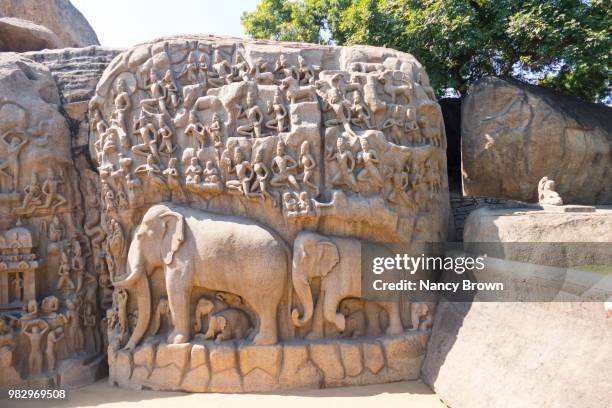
(244,172)
(156,104)
(33,194)
(123,104)
(336,262)
(50,190)
(195,130)
(148,136)
(35,331)
(547,194)
(360,113)
(262,174)
(284,168)
(221,72)
(397,124)
(345,164)
(186,243)
(193,172)
(14,143)
(340,108)
(64,282)
(166,147)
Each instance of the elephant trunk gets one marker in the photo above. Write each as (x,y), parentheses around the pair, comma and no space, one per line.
(304,294)
(143,297)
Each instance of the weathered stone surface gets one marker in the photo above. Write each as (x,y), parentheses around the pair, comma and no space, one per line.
(297,370)
(514,134)
(21,35)
(327,357)
(351,358)
(224,370)
(145,356)
(175,354)
(196,380)
(374,357)
(405,353)
(266,358)
(59,16)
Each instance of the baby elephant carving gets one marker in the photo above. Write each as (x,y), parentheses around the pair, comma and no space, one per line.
(203,308)
(421,315)
(228,324)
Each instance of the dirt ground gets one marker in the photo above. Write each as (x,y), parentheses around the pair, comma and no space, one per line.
(102,395)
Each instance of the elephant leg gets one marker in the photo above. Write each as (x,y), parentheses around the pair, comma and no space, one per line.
(330,311)
(179,294)
(316,330)
(267,334)
(395,322)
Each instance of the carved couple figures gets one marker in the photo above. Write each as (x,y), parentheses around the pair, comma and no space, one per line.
(14,142)
(195,130)
(46,196)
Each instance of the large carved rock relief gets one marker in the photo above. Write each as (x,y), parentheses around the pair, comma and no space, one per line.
(216,157)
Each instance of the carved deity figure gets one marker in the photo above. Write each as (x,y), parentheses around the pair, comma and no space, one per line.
(50,189)
(115,241)
(210,173)
(284,168)
(64,282)
(195,130)
(254,118)
(122,106)
(400,182)
(14,144)
(547,194)
(99,125)
(221,72)
(244,173)
(397,124)
(77,265)
(190,70)
(17,283)
(172,179)
(148,137)
(90,325)
(73,319)
(370,160)
(52,338)
(166,147)
(280,113)
(171,90)
(240,69)
(35,330)
(345,163)
(56,230)
(33,194)
(262,176)
(306,74)
(360,113)
(193,172)
(308,164)
(339,106)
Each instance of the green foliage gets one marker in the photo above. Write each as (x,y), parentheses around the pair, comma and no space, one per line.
(562,44)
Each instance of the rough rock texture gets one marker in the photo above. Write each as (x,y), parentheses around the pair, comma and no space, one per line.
(22,35)
(528,354)
(50,316)
(514,134)
(59,16)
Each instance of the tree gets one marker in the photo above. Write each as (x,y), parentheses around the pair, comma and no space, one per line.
(562,44)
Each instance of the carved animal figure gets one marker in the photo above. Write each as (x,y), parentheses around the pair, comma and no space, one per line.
(228,324)
(392,90)
(296,92)
(336,261)
(211,251)
(421,315)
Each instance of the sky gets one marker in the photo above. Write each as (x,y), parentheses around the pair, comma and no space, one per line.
(123,23)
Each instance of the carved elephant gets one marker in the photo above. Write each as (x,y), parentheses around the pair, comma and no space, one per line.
(421,315)
(337,262)
(215,252)
(228,324)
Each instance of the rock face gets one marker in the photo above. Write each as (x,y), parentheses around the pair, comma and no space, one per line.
(273,162)
(48,284)
(514,134)
(66,26)
(22,35)
(529,354)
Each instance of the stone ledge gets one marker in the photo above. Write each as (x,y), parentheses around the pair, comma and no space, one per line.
(240,367)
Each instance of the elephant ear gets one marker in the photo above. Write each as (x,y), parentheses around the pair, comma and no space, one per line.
(328,256)
(173,235)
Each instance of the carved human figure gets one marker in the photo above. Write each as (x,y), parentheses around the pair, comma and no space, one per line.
(74,329)
(370,160)
(360,114)
(308,165)
(148,135)
(345,164)
(221,72)
(193,172)
(280,113)
(190,70)
(262,176)
(240,69)
(195,130)
(157,102)
(99,125)
(284,168)
(122,312)
(110,204)
(172,179)
(283,67)
(32,194)
(306,74)
(171,90)
(203,70)
(166,147)
(547,194)
(17,283)
(254,118)
(400,182)
(115,239)
(76,264)
(291,204)
(90,324)
(152,172)
(215,130)
(397,124)
(13,144)
(52,338)
(35,330)
(122,106)
(210,173)
(340,108)
(64,282)
(244,173)
(50,189)
(122,200)
(56,230)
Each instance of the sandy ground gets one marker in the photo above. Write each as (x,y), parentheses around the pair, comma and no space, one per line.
(102,395)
